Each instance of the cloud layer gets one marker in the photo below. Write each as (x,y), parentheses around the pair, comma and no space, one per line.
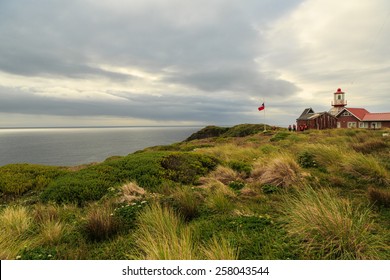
(187,62)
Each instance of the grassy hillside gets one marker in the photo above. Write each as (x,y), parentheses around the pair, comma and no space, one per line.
(224,193)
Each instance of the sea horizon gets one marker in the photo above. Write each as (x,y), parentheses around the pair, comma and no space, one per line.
(98,126)
(70,146)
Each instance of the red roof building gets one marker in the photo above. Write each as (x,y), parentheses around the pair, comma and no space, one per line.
(342,117)
(361,118)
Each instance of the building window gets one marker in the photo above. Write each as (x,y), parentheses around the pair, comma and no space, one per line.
(351,124)
(376,125)
(346,114)
(363,125)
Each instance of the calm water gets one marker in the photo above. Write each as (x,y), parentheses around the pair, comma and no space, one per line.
(74,146)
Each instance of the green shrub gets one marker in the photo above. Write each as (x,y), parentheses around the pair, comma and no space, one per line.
(142,167)
(280,136)
(242,130)
(37,253)
(241,167)
(208,132)
(93,183)
(254,237)
(306,160)
(269,188)
(236,185)
(186,168)
(126,214)
(17,179)
(76,189)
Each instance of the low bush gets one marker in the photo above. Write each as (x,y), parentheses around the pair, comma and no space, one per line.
(236,185)
(94,182)
(306,160)
(17,179)
(186,168)
(241,167)
(37,253)
(242,130)
(208,132)
(252,237)
(282,135)
(269,189)
(126,214)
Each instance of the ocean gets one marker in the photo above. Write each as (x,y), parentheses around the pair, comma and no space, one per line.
(75,146)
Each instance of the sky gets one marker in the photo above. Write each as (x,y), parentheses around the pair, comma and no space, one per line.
(184,62)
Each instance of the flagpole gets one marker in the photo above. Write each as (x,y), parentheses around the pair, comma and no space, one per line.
(264,116)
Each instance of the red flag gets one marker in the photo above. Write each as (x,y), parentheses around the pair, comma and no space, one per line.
(262,107)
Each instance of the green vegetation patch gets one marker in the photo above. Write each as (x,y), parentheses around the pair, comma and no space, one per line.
(17,179)
(280,136)
(186,168)
(208,132)
(240,130)
(94,182)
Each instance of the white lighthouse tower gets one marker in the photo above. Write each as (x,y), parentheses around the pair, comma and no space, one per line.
(338,102)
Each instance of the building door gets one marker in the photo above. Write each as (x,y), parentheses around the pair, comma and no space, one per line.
(338,124)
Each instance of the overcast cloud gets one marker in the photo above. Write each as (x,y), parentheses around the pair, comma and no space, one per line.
(157,62)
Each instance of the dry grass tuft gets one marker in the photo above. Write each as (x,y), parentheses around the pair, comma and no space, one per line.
(379,196)
(282,171)
(224,175)
(367,168)
(15,222)
(219,249)
(52,232)
(187,201)
(370,146)
(100,223)
(42,213)
(331,227)
(131,192)
(162,235)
